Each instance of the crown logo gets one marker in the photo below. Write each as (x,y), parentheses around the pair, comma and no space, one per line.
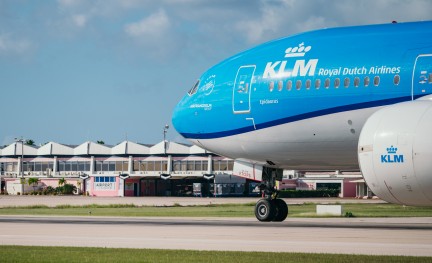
(299,51)
(392,150)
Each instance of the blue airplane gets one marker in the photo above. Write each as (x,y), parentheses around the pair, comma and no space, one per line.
(350,98)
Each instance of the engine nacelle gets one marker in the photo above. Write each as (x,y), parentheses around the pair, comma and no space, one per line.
(395,153)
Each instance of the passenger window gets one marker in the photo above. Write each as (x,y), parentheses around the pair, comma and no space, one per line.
(346,82)
(271,86)
(280,85)
(308,84)
(337,83)
(356,82)
(289,85)
(194,89)
(327,83)
(430,78)
(396,79)
(298,84)
(317,83)
(366,81)
(376,80)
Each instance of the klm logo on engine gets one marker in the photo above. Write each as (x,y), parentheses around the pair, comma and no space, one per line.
(290,67)
(391,156)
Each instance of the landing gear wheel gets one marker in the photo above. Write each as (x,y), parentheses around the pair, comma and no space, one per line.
(265,210)
(281,210)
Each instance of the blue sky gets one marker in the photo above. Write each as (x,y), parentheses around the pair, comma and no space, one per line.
(78,70)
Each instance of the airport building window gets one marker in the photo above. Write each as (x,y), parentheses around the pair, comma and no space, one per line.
(231,165)
(280,85)
(346,82)
(317,83)
(104,179)
(271,86)
(84,166)
(201,165)
(122,166)
(135,166)
(366,81)
(198,166)
(102,166)
(37,166)
(376,80)
(223,165)
(289,85)
(327,83)
(356,82)
(298,84)
(180,166)
(143,166)
(190,165)
(158,166)
(337,83)
(151,166)
(28,166)
(65,166)
(10,167)
(396,79)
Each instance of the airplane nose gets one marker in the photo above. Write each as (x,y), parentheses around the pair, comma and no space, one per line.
(181,118)
(176,119)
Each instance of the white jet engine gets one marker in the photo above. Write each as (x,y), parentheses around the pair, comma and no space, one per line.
(395,153)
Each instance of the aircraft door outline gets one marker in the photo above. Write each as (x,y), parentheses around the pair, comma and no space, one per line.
(422,76)
(242,89)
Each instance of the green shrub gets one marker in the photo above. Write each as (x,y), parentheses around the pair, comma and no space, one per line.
(308,193)
(66,189)
(49,190)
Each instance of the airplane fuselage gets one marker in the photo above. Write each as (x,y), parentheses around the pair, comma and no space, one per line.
(300,102)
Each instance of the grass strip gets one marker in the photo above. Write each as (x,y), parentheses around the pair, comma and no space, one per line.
(36,254)
(224,210)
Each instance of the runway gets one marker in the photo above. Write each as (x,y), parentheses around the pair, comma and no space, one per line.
(373,236)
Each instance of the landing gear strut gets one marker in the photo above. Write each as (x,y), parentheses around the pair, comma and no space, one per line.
(270,208)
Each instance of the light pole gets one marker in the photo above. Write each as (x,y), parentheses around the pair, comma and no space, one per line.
(165,130)
(21,140)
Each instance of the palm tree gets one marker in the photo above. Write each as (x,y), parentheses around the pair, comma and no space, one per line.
(33,182)
(61,181)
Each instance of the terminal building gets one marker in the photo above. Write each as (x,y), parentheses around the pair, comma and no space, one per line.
(135,169)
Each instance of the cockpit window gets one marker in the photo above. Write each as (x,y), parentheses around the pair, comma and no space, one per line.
(193,90)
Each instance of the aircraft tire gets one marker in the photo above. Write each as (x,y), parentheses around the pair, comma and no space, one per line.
(281,210)
(265,210)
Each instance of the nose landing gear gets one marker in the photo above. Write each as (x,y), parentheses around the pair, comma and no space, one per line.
(270,208)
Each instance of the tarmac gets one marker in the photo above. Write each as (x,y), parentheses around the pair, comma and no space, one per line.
(368,236)
(52,201)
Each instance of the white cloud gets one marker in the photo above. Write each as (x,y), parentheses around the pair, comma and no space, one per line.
(69,3)
(152,26)
(13,46)
(255,29)
(79,20)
